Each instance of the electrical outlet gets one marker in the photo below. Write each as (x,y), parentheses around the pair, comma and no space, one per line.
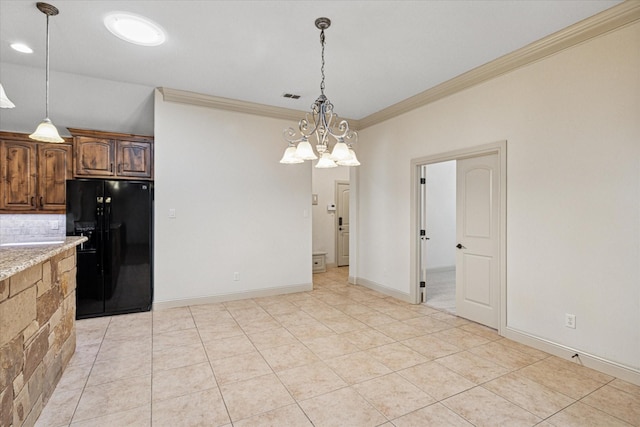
(570,320)
(236,276)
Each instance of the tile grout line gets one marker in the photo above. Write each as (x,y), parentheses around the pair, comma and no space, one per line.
(598,409)
(329,367)
(75,409)
(213,372)
(273,370)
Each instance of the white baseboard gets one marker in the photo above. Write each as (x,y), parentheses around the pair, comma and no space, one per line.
(381,288)
(212,299)
(584,359)
(332,265)
(441,269)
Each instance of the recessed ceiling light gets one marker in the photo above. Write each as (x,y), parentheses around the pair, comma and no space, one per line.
(134,29)
(21,47)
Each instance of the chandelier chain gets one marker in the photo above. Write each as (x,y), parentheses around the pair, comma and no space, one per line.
(322,67)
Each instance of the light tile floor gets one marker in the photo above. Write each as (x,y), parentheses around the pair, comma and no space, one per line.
(341,355)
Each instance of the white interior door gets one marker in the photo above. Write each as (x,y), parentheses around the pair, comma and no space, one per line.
(478,235)
(342,237)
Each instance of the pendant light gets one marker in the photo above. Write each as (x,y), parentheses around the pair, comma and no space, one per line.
(46,131)
(5,102)
(321,125)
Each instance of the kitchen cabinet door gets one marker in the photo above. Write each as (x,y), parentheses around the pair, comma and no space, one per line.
(95,157)
(54,168)
(18,176)
(134,159)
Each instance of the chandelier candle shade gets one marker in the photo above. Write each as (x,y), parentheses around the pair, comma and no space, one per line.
(322,126)
(46,131)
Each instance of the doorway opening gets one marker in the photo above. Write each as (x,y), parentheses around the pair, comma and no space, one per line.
(479,245)
(437,246)
(325,206)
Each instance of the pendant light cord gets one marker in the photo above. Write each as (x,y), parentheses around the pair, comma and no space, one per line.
(47,73)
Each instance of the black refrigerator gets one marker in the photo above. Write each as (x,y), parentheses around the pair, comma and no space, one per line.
(114,267)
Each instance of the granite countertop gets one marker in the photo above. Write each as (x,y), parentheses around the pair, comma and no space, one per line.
(14,259)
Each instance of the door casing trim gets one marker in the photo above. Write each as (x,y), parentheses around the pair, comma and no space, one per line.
(499,147)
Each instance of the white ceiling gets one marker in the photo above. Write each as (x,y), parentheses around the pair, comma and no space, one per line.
(377,52)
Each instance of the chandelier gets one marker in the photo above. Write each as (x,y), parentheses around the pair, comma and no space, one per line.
(322,126)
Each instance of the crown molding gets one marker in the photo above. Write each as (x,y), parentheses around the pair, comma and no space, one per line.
(193,98)
(605,21)
(209,101)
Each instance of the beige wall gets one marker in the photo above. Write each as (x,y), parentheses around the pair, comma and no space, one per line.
(237,208)
(572,125)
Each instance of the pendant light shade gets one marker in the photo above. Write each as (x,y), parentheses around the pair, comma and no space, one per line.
(353,161)
(289,157)
(5,102)
(304,151)
(323,126)
(340,152)
(46,131)
(326,162)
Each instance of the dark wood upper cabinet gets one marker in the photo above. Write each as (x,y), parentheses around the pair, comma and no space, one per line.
(18,175)
(134,158)
(112,155)
(33,174)
(94,156)
(54,168)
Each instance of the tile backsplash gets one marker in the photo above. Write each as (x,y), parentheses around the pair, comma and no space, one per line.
(29,228)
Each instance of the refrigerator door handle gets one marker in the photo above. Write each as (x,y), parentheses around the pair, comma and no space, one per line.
(107,220)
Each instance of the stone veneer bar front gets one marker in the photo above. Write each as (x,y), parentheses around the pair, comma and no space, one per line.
(37,325)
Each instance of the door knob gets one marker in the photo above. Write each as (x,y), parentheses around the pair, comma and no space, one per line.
(459,246)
